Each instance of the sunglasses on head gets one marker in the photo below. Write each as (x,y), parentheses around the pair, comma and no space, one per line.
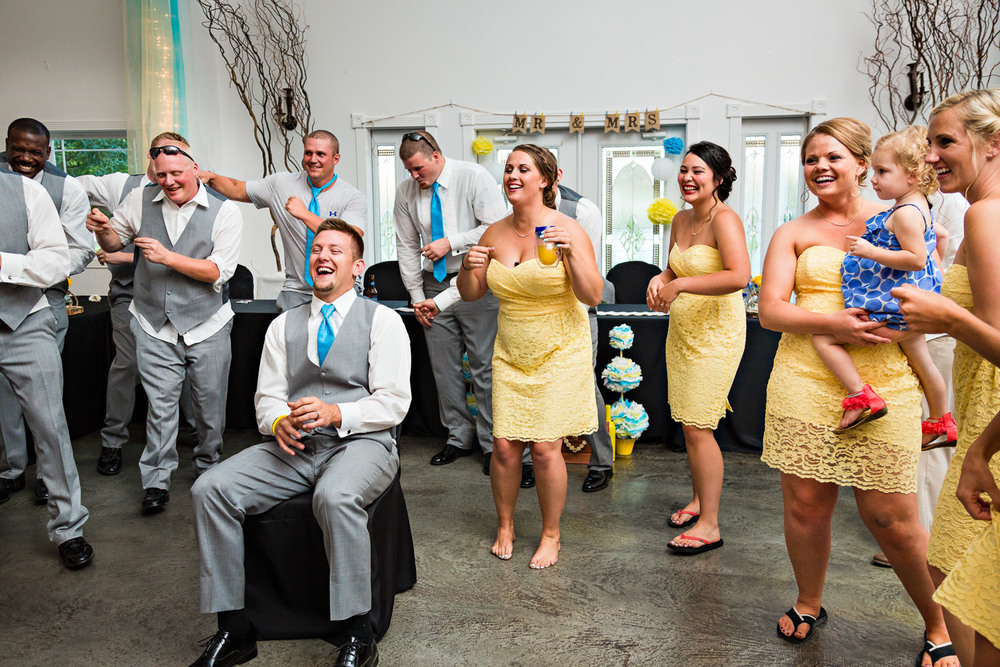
(167,150)
(416,136)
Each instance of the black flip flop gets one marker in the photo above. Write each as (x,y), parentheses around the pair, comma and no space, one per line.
(935,651)
(797,620)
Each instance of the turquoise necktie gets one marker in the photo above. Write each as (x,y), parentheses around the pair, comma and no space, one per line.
(325,335)
(437,232)
(314,209)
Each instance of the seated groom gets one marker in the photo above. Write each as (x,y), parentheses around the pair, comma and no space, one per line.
(334,381)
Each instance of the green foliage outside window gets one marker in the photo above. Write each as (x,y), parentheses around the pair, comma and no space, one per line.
(90,156)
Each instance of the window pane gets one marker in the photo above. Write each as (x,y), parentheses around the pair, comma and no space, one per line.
(789,204)
(629,189)
(754,154)
(386,156)
(90,156)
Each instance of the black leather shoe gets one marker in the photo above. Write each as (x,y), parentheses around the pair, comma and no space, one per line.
(110,462)
(356,653)
(155,501)
(76,553)
(221,650)
(41,492)
(448,454)
(9,486)
(527,476)
(597,480)
(486,463)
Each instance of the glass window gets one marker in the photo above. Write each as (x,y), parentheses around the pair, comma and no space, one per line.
(629,189)
(386,170)
(97,156)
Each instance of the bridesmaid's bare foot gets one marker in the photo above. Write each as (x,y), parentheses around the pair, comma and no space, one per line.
(546,555)
(504,545)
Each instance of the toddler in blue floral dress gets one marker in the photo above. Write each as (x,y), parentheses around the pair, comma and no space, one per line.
(897,248)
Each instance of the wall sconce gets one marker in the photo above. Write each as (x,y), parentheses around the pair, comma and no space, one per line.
(285,117)
(917,91)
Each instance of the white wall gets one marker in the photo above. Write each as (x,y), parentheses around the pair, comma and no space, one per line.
(391,56)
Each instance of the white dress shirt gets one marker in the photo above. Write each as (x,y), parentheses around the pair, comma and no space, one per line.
(470,200)
(342,200)
(73,216)
(388,370)
(47,261)
(106,191)
(589,217)
(227,234)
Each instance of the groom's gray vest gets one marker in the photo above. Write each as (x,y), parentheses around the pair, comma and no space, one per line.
(343,377)
(120,288)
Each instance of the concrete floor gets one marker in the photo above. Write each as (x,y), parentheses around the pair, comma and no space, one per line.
(616,597)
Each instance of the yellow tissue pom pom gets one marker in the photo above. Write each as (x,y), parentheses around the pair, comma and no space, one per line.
(482,146)
(756,281)
(661,211)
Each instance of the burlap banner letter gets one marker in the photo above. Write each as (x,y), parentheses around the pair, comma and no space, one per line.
(632,122)
(612,123)
(520,124)
(538,124)
(652,121)
(576,123)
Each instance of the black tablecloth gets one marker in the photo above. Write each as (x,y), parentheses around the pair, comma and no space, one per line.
(88,354)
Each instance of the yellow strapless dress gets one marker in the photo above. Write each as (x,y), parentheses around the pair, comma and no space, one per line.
(803,400)
(972,590)
(977,401)
(543,377)
(705,343)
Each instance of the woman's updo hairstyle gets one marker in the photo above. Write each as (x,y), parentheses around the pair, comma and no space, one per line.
(547,166)
(853,134)
(718,160)
(979,111)
(909,148)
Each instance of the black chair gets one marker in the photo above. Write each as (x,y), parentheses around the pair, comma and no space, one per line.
(631,280)
(388,283)
(241,284)
(288,577)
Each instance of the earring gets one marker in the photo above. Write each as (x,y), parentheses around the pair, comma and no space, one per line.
(804,197)
(859,192)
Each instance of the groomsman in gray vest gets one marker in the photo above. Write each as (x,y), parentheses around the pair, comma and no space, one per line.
(108,192)
(299,202)
(334,383)
(439,214)
(586,213)
(27,153)
(33,255)
(188,241)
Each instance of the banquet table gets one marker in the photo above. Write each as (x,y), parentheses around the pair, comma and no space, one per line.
(89,351)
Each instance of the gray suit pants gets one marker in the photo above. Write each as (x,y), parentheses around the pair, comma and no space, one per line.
(13,441)
(601,454)
(465,327)
(31,366)
(288,300)
(345,478)
(163,369)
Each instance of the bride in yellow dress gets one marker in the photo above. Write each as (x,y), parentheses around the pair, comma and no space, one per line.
(701,289)
(543,380)
(878,460)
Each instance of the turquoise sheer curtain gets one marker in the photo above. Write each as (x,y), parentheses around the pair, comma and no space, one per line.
(155,82)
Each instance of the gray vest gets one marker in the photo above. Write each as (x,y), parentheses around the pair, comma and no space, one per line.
(120,288)
(343,377)
(54,182)
(162,294)
(16,301)
(567,201)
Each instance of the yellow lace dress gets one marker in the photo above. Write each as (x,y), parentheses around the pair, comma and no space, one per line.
(977,401)
(705,343)
(543,380)
(803,400)
(972,590)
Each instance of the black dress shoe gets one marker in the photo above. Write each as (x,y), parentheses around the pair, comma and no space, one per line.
(76,553)
(486,463)
(41,492)
(357,653)
(155,500)
(110,462)
(448,454)
(9,486)
(222,650)
(527,476)
(597,480)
